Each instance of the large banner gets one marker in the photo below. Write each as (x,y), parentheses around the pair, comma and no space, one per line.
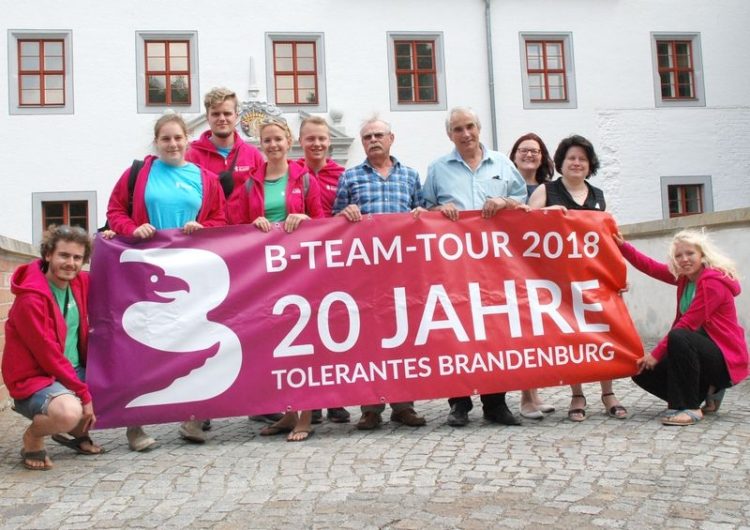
(232,321)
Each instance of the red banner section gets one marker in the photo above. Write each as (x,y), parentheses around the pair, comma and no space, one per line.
(231,321)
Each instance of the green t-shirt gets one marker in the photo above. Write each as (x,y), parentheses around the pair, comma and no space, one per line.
(72,321)
(274,192)
(687,296)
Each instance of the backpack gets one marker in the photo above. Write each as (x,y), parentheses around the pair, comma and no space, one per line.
(135,168)
(226,177)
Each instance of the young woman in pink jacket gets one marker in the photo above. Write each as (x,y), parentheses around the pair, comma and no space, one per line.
(705,351)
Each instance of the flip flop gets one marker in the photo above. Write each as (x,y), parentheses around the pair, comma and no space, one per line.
(692,418)
(273,430)
(76,443)
(308,434)
(35,456)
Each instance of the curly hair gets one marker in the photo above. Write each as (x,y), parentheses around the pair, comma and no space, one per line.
(71,234)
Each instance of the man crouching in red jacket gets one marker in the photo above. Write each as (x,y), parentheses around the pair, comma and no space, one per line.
(46,336)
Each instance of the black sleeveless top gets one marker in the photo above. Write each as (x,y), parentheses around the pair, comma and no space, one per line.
(558,195)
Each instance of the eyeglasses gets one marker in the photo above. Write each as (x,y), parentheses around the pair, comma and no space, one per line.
(529,151)
(373,136)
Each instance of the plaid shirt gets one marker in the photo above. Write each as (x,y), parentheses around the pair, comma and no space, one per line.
(363,186)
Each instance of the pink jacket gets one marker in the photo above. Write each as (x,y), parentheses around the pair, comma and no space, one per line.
(203,153)
(712,309)
(252,204)
(33,357)
(210,214)
(328,180)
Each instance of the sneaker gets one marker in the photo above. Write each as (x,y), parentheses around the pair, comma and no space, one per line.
(369,421)
(338,415)
(192,431)
(408,417)
(138,440)
(317,416)
(267,418)
(458,416)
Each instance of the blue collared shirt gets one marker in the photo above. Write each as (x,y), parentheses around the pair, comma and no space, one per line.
(362,185)
(450,179)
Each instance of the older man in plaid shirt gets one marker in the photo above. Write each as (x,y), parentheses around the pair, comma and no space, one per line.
(380,184)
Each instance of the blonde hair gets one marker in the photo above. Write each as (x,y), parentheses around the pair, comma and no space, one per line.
(217,96)
(170,117)
(278,122)
(313,120)
(711,256)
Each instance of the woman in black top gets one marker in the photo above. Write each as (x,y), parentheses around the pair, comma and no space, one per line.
(576,160)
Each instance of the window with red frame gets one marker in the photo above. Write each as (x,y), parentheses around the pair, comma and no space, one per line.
(73,213)
(295,72)
(685,200)
(41,72)
(167,72)
(416,75)
(545,68)
(675,60)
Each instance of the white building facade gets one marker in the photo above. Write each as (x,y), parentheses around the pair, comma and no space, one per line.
(661,88)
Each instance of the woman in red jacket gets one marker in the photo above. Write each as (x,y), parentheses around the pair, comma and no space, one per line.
(279,192)
(705,351)
(283,193)
(169,193)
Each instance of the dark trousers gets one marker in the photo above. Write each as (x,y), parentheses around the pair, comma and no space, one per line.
(490,402)
(692,363)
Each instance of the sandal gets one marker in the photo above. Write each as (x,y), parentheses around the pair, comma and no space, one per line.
(36,456)
(615,411)
(272,430)
(713,402)
(76,444)
(307,433)
(682,418)
(577,415)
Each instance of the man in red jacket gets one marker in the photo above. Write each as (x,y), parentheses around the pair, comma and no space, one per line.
(221,150)
(46,338)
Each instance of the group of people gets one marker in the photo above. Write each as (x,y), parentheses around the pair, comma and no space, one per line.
(219,179)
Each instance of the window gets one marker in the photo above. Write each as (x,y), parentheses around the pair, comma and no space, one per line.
(685,200)
(678,76)
(75,208)
(73,213)
(167,72)
(416,76)
(547,74)
(40,72)
(416,71)
(296,76)
(683,196)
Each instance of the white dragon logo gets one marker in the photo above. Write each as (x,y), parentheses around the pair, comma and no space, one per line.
(181,325)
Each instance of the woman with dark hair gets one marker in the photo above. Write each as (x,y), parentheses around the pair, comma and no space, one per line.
(168,192)
(705,351)
(576,161)
(531,157)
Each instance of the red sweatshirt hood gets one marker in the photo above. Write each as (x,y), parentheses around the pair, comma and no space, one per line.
(716,275)
(29,278)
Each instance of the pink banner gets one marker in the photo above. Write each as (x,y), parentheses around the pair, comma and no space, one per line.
(231,321)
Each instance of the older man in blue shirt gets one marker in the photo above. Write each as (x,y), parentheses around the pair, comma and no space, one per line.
(471,177)
(381,184)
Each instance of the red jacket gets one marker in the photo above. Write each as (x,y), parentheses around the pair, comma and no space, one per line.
(203,153)
(328,180)
(712,309)
(210,214)
(33,357)
(252,205)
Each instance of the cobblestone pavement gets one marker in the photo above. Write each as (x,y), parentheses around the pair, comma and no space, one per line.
(550,473)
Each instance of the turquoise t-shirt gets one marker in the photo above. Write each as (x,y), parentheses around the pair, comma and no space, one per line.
(174,194)
(224,151)
(72,321)
(274,192)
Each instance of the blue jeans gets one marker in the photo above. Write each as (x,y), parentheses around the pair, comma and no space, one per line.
(38,402)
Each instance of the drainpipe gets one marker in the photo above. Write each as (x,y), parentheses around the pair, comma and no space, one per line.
(490,71)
